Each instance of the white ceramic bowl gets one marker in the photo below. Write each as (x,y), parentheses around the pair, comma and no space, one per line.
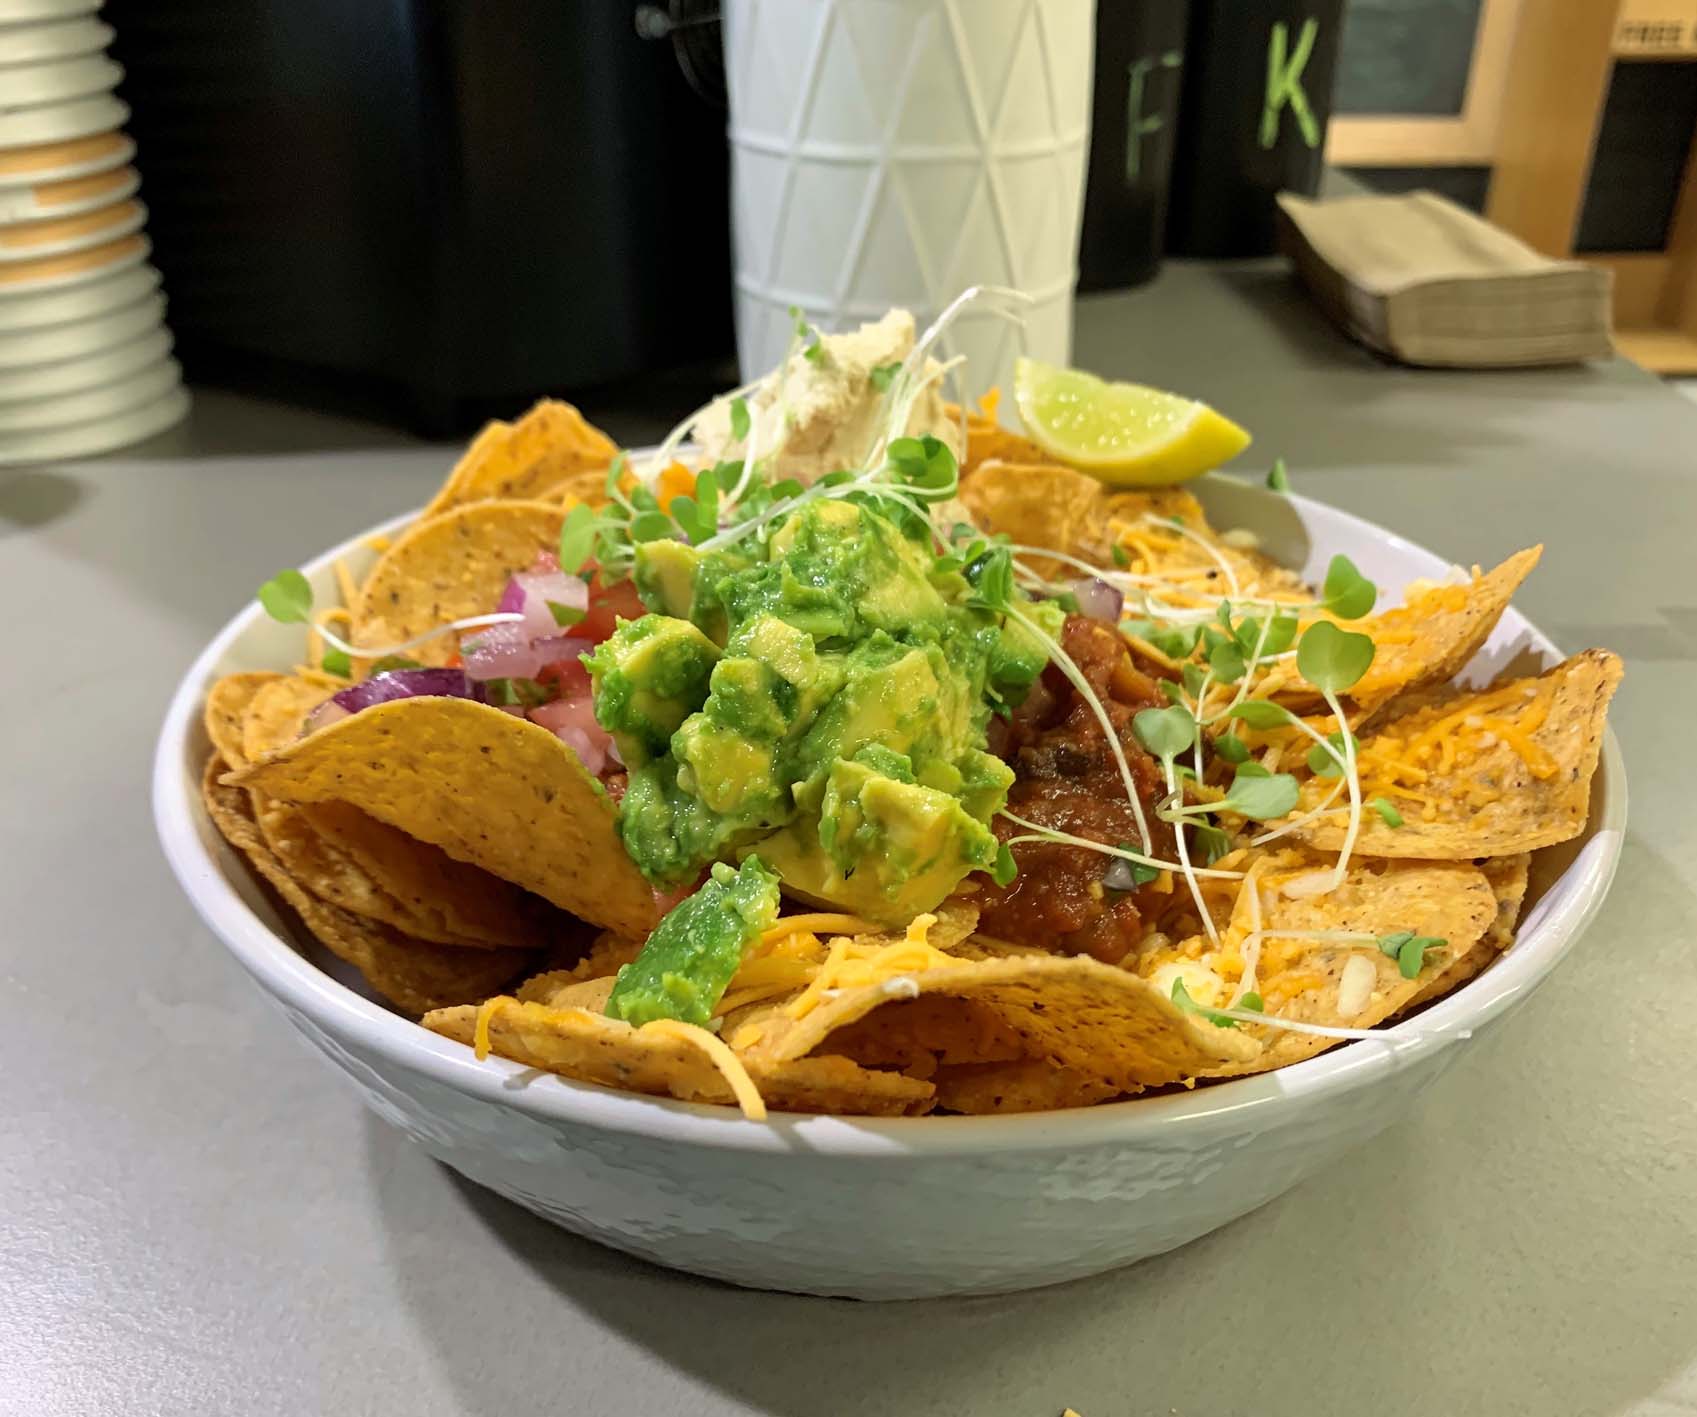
(881,1209)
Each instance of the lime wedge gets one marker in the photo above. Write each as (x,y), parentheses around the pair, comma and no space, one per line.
(1127,435)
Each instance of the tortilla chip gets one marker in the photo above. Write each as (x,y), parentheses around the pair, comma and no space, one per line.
(1299,979)
(277,713)
(987,440)
(414,975)
(559,990)
(591,1047)
(328,872)
(1488,800)
(1075,1012)
(1027,1085)
(918,1035)
(1508,876)
(1429,639)
(225,713)
(490,789)
(449,900)
(525,459)
(1038,504)
(448,567)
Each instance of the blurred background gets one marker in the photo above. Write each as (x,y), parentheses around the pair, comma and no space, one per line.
(430,213)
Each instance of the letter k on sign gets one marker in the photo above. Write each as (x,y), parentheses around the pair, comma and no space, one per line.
(1284,83)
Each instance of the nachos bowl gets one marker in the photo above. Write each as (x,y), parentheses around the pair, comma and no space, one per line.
(881,1208)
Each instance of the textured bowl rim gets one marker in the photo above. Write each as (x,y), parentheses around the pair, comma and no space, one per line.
(1235,1106)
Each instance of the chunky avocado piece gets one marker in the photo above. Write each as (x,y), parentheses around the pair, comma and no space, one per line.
(683,970)
(649,675)
(880,847)
(665,576)
(670,832)
(902,697)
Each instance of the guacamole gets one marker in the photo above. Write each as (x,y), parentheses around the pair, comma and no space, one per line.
(822,695)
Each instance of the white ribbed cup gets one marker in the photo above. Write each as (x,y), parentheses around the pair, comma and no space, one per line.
(894,152)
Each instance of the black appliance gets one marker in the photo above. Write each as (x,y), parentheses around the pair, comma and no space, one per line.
(431,211)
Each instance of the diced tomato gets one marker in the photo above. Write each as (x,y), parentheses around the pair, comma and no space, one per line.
(570,678)
(607,605)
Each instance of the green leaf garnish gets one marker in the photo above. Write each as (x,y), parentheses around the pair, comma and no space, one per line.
(1333,659)
(565,615)
(1229,748)
(1122,557)
(524,693)
(1261,798)
(1280,634)
(1387,810)
(1226,661)
(1191,674)
(1005,869)
(577,538)
(1277,478)
(739,419)
(1251,1003)
(1329,764)
(287,598)
(1165,732)
(1173,641)
(1261,713)
(1182,998)
(650,526)
(882,374)
(615,475)
(1409,950)
(1252,769)
(1212,842)
(336,662)
(1347,593)
(1173,692)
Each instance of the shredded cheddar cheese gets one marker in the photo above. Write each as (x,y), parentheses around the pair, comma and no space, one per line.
(720,1056)
(346,583)
(854,966)
(820,923)
(486,1012)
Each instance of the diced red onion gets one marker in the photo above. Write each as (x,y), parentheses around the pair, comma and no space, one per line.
(500,652)
(1097,599)
(572,721)
(529,593)
(1118,876)
(324,715)
(406,684)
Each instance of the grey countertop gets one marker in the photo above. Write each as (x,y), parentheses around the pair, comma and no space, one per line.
(195,1217)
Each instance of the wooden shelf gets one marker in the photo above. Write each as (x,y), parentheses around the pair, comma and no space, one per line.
(1661,351)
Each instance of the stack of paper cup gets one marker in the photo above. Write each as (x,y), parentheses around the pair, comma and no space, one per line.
(894,152)
(85,357)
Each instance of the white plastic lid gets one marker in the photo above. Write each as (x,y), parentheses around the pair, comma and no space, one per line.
(56,81)
(14,12)
(98,435)
(56,162)
(139,387)
(60,235)
(61,39)
(56,272)
(27,310)
(88,371)
(55,122)
(68,198)
(32,349)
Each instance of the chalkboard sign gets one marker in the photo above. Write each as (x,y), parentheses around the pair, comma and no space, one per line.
(1645,134)
(1406,57)
(1252,120)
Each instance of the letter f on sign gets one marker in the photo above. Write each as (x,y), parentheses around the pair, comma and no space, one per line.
(1284,83)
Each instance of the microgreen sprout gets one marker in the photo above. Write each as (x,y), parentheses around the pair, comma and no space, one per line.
(287,598)
(1277,478)
(1387,811)
(1409,950)
(338,662)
